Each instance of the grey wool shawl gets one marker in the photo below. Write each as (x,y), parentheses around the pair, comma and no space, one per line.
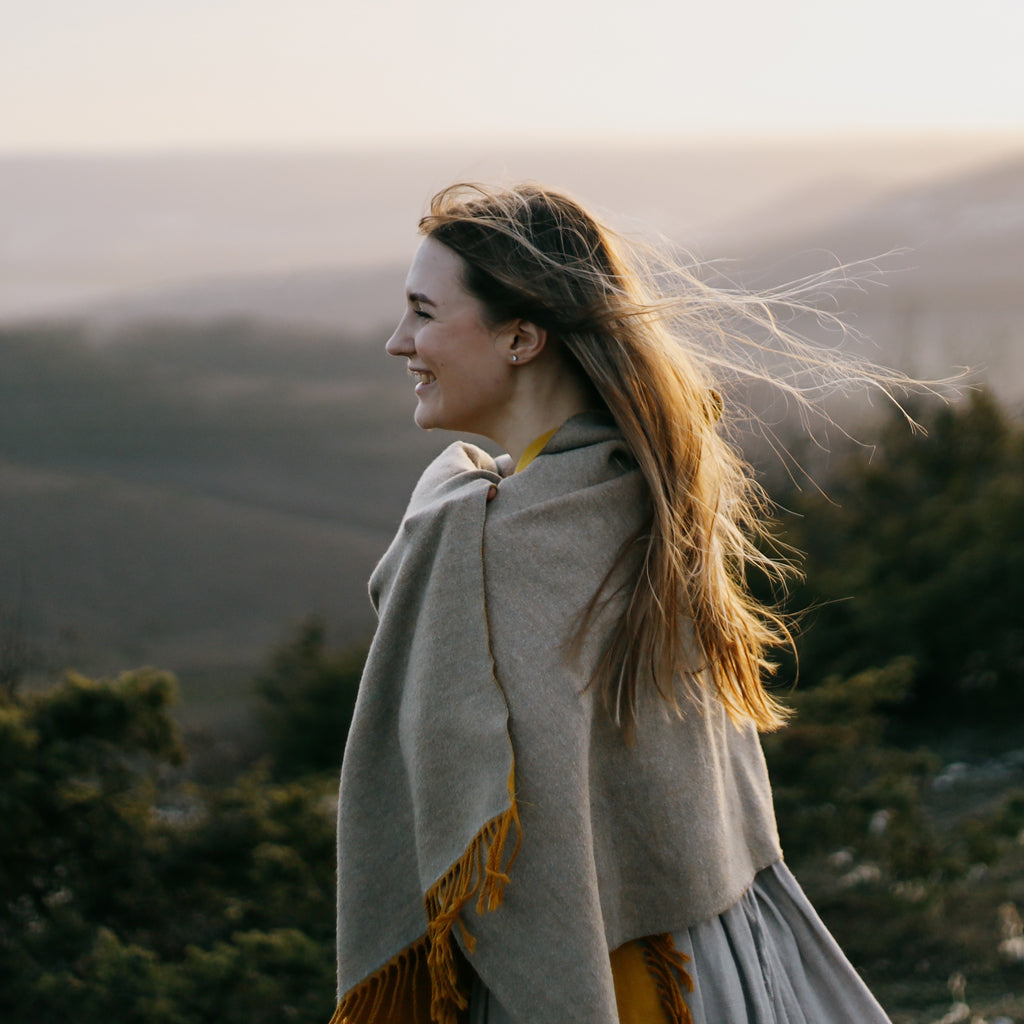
(487,799)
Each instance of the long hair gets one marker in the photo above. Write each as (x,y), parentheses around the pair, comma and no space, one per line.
(535,253)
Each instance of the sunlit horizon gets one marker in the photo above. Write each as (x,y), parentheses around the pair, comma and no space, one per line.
(983,140)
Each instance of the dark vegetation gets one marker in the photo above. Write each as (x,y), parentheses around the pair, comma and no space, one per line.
(916,551)
(142,880)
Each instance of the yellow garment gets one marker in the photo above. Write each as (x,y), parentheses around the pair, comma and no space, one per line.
(636,994)
(534,449)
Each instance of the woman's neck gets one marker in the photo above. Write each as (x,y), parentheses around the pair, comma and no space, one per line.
(541,407)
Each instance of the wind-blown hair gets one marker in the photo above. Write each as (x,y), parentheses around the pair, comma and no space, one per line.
(653,357)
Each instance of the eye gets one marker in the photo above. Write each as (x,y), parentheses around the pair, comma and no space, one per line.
(423,314)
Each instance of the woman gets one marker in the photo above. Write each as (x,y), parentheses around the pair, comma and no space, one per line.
(554,805)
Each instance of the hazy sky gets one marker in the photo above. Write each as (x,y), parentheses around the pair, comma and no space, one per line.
(125,74)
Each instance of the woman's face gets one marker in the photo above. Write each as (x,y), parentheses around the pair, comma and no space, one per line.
(461,369)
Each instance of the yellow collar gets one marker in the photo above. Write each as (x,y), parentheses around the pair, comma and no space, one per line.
(534,449)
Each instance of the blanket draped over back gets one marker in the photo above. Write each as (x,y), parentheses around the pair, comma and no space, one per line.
(490,811)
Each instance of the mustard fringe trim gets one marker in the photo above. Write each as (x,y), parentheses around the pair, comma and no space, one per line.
(482,872)
(389,996)
(667,967)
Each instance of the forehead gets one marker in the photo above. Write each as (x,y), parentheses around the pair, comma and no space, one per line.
(436,272)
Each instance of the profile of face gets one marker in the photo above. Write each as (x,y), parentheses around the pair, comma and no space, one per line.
(462,367)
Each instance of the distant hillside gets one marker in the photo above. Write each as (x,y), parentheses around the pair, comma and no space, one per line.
(182,494)
(951,292)
(360,300)
(964,233)
(77,230)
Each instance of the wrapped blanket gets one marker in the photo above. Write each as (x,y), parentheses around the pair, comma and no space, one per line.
(487,800)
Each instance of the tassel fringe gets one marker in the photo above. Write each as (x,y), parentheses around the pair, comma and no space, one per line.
(667,967)
(389,996)
(482,872)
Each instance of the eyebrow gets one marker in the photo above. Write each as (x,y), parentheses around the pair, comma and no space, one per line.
(421,298)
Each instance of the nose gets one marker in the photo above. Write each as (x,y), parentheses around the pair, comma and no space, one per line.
(400,343)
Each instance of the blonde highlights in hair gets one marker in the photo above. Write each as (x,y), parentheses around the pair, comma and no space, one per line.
(653,359)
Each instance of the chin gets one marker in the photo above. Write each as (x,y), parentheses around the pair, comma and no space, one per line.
(425,420)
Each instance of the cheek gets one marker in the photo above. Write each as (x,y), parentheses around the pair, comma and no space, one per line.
(441,350)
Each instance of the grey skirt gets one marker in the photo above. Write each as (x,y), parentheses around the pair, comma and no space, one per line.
(767,960)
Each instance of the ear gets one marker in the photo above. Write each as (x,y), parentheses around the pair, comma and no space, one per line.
(525,340)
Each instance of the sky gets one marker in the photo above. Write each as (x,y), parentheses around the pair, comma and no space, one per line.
(130,75)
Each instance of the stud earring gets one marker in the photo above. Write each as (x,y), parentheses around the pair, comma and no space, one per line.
(515,358)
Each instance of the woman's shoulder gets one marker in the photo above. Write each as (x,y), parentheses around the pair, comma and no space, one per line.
(447,507)
(458,472)
(585,463)
(556,529)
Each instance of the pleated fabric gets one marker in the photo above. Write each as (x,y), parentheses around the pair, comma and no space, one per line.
(768,959)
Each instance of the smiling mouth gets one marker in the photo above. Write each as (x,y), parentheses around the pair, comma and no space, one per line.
(422,377)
